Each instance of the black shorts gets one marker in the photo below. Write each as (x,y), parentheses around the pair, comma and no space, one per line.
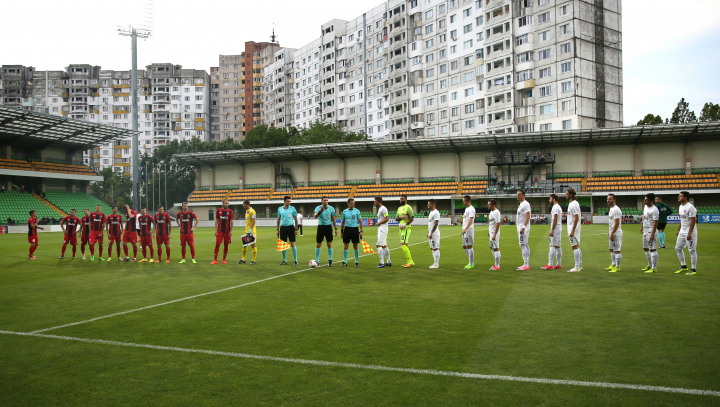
(324,232)
(287,233)
(661,226)
(351,234)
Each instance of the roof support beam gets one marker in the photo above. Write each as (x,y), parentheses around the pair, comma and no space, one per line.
(336,154)
(263,156)
(694,132)
(639,137)
(454,147)
(407,143)
(38,130)
(12,119)
(367,146)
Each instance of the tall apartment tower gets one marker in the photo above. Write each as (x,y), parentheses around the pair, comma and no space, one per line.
(228,98)
(277,90)
(257,56)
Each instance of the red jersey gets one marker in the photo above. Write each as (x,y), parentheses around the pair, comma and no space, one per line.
(162,223)
(146,222)
(115,222)
(71,223)
(186,222)
(130,224)
(224,218)
(97,221)
(32,224)
(85,225)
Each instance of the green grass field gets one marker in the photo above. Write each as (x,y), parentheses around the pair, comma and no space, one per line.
(628,328)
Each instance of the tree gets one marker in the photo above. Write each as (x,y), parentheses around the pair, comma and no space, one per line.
(322,133)
(710,112)
(114,189)
(263,137)
(682,113)
(650,119)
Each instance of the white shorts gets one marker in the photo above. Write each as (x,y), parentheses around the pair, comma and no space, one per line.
(494,244)
(574,240)
(523,237)
(616,245)
(682,241)
(469,237)
(434,241)
(647,244)
(382,238)
(555,239)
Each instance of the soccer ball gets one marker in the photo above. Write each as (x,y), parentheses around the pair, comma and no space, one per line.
(402,226)
(313,263)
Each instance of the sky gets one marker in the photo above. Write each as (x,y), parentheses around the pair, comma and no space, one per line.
(670,49)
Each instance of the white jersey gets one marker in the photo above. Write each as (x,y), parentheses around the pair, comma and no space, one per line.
(299,219)
(522,211)
(650,215)
(574,209)
(686,213)
(494,219)
(434,216)
(469,219)
(615,213)
(381,214)
(556,210)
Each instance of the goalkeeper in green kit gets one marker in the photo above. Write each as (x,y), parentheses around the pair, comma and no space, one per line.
(664,210)
(405,216)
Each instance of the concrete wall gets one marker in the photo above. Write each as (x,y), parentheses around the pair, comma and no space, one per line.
(705,154)
(398,166)
(258,173)
(571,159)
(324,170)
(613,158)
(297,168)
(663,156)
(56,153)
(473,163)
(227,174)
(360,168)
(205,176)
(437,165)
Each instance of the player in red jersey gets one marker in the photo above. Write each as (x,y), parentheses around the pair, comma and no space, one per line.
(163,227)
(115,230)
(130,234)
(85,228)
(223,229)
(69,225)
(98,220)
(186,221)
(146,221)
(32,233)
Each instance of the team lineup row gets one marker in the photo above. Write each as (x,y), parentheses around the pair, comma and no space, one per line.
(92,226)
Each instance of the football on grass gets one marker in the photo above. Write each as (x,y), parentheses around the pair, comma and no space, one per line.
(313,263)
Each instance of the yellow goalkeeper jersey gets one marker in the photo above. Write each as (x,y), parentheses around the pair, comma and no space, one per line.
(249,217)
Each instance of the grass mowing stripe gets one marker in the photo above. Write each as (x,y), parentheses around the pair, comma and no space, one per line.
(194,296)
(382,368)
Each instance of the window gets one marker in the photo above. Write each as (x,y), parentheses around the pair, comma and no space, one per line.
(524,57)
(454,96)
(545,109)
(453,18)
(566,105)
(454,80)
(541,2)
(469,124)
(467,12)
(416,60)
(526,128)
(441,9)
(430,73)
(524,75)
(442,23)
(453,65)
(429,29)
(469,76)
(443,129)
(545,72)
(546,127)
(521,39)
(567,124)
(469,92)
(479,20)
(566,67)
(469,108)
(415,103)
(545,91)
(429,43)
(428,14)
(468,28)
(429,57)
(564,29)
(430,102)
(563,10)
(453,49)
(431,131)
(523,21)
(567,86)
(455,127)
(544,17)
(442,53)
(467,44)
(543,36)
(564,48)
(443,68)
(455,111)
(544,54)
(443,99)
(430,87)
(443,83)
(468,60)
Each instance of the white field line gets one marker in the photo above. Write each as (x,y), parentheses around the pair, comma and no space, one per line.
(198,295)
(383,368)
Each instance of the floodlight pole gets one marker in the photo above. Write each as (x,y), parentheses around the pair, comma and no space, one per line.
(134,113)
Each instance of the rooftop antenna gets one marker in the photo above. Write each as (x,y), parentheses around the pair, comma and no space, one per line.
(273,37)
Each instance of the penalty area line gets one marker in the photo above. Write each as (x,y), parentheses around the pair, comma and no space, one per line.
(429,372)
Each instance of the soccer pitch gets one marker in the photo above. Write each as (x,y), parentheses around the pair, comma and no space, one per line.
(76,332)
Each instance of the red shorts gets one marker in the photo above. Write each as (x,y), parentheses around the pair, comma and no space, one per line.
(96,236)
(129,237)
(112,239)
(72,239)
(223,236)
(32,239)
(162,239)
(146,241)
(84,239)
(189,239)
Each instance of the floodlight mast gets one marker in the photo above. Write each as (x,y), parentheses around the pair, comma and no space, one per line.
(132,31)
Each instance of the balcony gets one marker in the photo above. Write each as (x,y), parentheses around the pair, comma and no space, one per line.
(121,86)
(530,83)
(500,122)
(499,88)
(199,120)
(498,106)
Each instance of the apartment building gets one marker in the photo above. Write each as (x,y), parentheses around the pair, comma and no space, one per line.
(277,90)
(173,104)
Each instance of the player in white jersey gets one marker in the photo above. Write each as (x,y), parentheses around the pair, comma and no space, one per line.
(494,222)
(651,215)
(522,221)
(382,233)
(687,234)
(555,234)
(615,234)
(574,223)
(434,232)
(468,231)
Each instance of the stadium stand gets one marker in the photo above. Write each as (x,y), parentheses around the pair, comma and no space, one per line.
(16,205)
(63,168)
(15,164)
(410,189)
(322,190)
(207,196)
(252,194)
(66,201)
(613,183)
(473,187)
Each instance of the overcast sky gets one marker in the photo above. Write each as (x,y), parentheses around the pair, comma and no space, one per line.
(670,49)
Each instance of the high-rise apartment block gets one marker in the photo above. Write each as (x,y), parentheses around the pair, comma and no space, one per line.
(425,68)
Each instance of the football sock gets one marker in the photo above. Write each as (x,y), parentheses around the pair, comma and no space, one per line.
(345,256)
(101,249)
(471,256)
(182,249)
(109,251)
(551,257)
(558,256)
(526,255)
(217,250)
(661,238)
(654,258)
(294,250)
(496,255)
(254,253)
(285,256)
(63,250)
(167,251)
(436,257)
(244,252)
(125,249)
(74,250)
(317,254)
(357,255)
(649,258)
(387,255)
(225,250)
(693,258)
(467,254)
(618,257)
(192,250)
(135,251)
(380,254)
(92,250)
(612,257)
(578,258)
(330,254)
(406,251)
(144,252)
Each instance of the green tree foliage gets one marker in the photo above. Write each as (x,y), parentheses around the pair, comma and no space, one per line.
(682,113)
(650,119)
(710,112)
(114,189)
(322,133)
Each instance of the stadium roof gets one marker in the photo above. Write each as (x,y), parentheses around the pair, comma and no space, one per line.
(620,135)
(26,129)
